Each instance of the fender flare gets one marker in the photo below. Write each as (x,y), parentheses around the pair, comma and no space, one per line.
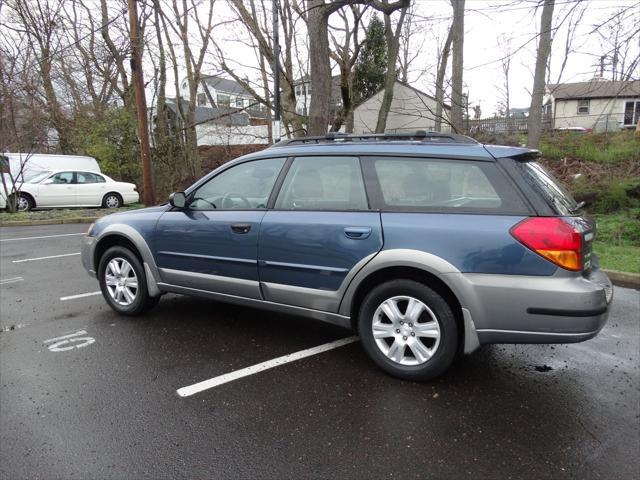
(151,270)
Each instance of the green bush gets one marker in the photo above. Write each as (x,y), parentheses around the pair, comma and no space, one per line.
(112,141)
(613,199)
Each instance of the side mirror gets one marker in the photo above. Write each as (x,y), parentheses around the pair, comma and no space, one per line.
(48,181)
(178,200)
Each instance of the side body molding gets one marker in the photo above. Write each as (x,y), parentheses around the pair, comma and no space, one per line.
(133,235)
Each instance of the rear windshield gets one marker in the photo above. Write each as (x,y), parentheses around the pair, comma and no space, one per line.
(551,188)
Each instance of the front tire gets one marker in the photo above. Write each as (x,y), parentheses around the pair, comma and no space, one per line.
(408,330)
(24,203)
(123,282)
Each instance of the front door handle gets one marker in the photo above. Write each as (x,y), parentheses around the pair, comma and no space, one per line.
(240,227)
(359,233)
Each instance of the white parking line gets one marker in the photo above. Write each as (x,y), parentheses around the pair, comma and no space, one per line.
(35,238)
(11,280)
(260,367)
(46,258)
(81,295)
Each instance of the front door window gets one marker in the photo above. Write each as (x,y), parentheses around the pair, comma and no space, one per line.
(243,187)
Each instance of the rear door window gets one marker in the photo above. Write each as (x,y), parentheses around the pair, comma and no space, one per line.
(420,184)
(323,183)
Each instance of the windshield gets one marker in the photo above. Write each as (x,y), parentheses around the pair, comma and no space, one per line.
(36,177)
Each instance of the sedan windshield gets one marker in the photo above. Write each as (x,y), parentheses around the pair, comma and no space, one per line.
(36,177)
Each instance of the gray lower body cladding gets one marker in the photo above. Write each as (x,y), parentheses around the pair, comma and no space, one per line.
(563,308)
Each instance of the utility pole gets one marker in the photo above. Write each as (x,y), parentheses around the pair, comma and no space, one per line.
(141,104)
(276,76)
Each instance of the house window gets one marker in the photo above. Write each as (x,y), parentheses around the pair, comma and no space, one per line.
(202,99)
(223,100)
(583,107)
(631,113)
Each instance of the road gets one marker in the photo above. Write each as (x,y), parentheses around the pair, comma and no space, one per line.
(87,394)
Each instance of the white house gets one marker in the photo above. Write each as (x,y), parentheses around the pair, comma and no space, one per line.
(303,91)
(601,105)
(411,110)
(226,113)
(215,91)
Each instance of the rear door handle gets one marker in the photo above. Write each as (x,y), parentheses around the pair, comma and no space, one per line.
(241,227)
(359,233)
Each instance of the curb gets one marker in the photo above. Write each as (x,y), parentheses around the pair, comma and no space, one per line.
(50,221)
(624,279)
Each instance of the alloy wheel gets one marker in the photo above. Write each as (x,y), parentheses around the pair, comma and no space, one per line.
(405,330)
(121,281)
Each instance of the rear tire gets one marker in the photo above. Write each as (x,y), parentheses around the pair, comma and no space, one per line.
(124,283)
(112,200)
(416,335)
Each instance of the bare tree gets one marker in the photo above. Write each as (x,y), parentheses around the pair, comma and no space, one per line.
(504,103)
(317,14)
(441,73)
(255,20)
(618,36)
(41,23)
(188,17)
(457,64)
(408,52)
(393,45)
(345,54)
(534,122)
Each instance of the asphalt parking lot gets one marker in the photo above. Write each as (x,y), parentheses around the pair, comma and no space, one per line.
(87,394)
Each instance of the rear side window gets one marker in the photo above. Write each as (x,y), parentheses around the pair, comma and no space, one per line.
(444,185)
(552,190)
(323,183)
(86,177)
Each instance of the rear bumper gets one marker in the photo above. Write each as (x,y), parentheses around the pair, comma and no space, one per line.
(563,308)
(131,197)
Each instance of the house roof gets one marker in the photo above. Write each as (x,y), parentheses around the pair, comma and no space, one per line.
(594,89)
(225,85)
(218,115)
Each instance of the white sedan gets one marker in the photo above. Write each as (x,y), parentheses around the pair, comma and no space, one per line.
(71,188)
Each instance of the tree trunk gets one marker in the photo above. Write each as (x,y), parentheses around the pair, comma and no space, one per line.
(347,104)
(534,123)
(393,45)
(317,26)
(457,63)
(442,71)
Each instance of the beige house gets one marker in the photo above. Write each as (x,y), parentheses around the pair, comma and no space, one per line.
(410,110)
(601,105)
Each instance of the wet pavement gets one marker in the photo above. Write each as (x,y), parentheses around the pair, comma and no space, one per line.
(85,393)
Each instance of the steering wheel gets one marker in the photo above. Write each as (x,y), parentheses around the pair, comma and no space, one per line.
(195,199)
(230,196)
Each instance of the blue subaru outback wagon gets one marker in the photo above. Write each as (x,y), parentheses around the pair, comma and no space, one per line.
(425,244)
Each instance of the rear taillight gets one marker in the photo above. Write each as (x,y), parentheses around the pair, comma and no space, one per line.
(552,238)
